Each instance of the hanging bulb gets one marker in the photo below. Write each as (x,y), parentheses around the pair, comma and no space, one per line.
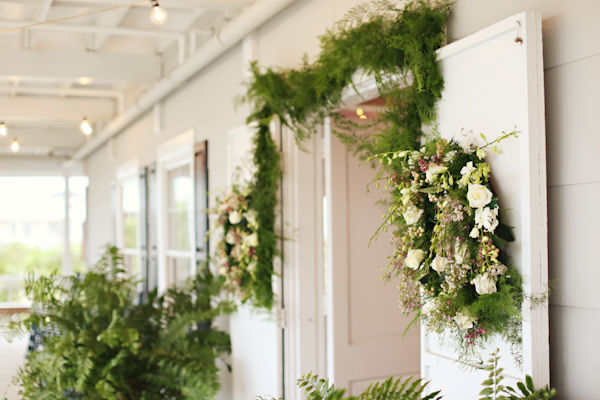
(2,129)
(85,127)
(158,15)
(14,146)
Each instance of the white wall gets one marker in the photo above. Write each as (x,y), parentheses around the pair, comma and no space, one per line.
(571,52)
(571,62)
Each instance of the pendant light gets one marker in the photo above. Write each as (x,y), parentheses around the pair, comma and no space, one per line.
(85,127)
(14,146)
(3,130)
(158,15)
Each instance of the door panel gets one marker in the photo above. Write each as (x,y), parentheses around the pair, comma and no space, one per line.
(365,326)
(494,83)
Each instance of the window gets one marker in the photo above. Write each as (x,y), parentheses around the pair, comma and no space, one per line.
(176,203)
(128,216)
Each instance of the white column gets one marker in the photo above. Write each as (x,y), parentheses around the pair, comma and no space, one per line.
(67,268)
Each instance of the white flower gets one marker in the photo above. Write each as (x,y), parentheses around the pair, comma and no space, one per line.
(230,237)
(251,240)
(236,252)
(439,264)
(480,153)
(252,266)
(467,142)
(429,307)
(412,215)
(460,253)
(250,216)
(484,284)
(468,169)
(464,321)
(479,196)
(233,200)
(235,217)
(414,258)
(434,170)
(487,218)
(222,269)
(475,231)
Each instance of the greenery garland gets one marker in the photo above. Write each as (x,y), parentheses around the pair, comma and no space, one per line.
(263,200)
(392,42)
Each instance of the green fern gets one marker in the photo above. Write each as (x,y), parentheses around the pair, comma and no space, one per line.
(103,345)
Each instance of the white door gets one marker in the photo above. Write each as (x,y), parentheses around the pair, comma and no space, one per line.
(255,334)
(364,324)
(494,83)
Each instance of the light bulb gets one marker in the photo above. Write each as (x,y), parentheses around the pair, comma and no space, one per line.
(14,146)
(2,129)
(158,15)
(85,126)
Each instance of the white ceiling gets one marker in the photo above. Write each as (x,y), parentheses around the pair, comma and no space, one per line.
(53,74)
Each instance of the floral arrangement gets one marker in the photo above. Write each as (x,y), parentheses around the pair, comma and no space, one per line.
(236,250)
(450,242)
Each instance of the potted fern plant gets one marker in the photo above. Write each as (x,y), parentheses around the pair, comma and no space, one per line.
(99,343)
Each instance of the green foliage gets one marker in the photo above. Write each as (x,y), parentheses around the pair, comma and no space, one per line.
(18,259)
(494,390)
(104,345)
(391,389)
(375,38)
(263,200)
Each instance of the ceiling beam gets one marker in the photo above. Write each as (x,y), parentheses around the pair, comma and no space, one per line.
(40,14)
(65,91)
(32,110)
(107,19)
(53,66)
(168,4)
(53,26)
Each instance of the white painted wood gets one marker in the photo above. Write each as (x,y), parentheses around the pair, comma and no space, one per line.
(239,155)
(255,334)
(53,66)
(494,84)
(571,109)
(571,238)
(303,274)
(27,109)
(364,325)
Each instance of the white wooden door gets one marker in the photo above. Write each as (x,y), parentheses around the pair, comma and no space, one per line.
(364,324)
(494,83)
(255,334)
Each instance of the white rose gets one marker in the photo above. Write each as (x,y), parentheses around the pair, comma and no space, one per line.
(236,252)
(484,284)
(251,240)
(412,215)
(468,169)
(250,216)
(414,258)
(230,237)
(235,217)
(464,321)
(433,171)
(487,218)
(252,266)
(429,307)
(478,196)
(475,231)
(439,264)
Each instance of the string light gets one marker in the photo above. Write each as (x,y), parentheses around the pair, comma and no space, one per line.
(14,146)
(85,127)
(158,15)
(361,113)
(3,130)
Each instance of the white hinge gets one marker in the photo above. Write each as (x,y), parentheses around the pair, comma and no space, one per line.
(282,318)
